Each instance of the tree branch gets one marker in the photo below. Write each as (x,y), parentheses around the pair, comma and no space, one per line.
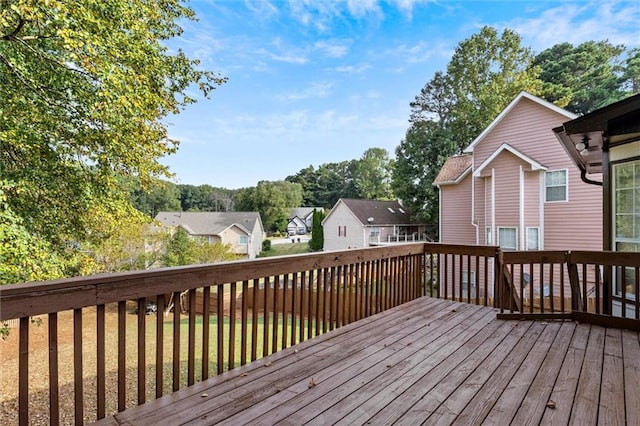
(15,32)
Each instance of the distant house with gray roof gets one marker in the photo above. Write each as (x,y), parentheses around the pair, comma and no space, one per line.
(364,223)
(300,220)
(242,230)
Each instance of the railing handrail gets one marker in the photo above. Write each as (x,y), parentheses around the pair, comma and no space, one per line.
(29,299)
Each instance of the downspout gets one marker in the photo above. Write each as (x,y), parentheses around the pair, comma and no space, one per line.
(494,231)
(585,179)
(521,208)
(439,214)
(473,204)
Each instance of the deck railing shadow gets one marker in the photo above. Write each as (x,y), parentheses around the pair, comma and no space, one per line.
(212,318)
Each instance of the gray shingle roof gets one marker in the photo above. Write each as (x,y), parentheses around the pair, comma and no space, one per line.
(302,212)
(382,212)
(209,223)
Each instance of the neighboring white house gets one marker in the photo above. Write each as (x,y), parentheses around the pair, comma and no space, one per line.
(301,220)
(365,223)
(242,230)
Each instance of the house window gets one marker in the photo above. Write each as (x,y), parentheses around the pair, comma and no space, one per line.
(487,235)
(375,231)
(626,208)
(555,185)
(508,238)
(342,231)
(243,239)
(533,238)
(465,283)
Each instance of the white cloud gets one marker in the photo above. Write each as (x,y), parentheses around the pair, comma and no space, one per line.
(616,21)
(361,8)
(332,49)
(263,9)
(352,69)
(315,90)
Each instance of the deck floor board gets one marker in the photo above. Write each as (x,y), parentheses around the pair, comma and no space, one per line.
(425,362)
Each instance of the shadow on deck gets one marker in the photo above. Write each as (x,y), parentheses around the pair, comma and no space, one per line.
(427,361)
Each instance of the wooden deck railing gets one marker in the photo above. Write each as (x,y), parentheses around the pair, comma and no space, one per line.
(104,354)
(209,318)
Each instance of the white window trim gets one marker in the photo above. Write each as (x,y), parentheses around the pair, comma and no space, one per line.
(614,234)
(488,234)
(240,237)
(566,193)
(515,228)
(529,228)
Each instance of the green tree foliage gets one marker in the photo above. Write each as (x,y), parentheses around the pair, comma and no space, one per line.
(485,73)
(159,195)
(372,175)
(584,77)
(273,199)
(316,243)
(23,257)
(133,244)
(631,75)
(85,86)
(419,158)
(183,250)
(206,198)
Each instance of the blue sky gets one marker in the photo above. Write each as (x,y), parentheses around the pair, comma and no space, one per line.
(313,82)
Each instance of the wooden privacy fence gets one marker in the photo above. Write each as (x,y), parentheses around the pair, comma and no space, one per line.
(236,312)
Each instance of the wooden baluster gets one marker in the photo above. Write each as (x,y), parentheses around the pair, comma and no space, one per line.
(23,378)
(276,314)
(265,317)
(254,320)
(191,339)
(160,345)
(122,356)
(232,327)
(54,396)
(77,367)
(142,334)
(303,315)
(100,362)
(285,290)
(244,328)
(220,327)
(294,302)
(176,341)
(206,330)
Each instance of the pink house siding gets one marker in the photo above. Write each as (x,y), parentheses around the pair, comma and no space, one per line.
(510,161)
(455,213)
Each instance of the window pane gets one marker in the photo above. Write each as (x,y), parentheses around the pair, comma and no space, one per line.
(624,200)
(507,238)
(624,175)
(556,193)
(533,239)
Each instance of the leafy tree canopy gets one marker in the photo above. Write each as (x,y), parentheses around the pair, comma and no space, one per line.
(85,87)
(584,77)
(273,200)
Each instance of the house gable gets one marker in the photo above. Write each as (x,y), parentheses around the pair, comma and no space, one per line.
(507,111)
(533,164)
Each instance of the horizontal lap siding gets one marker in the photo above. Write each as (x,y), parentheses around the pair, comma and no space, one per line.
(355,233)
(455,213)
(576,224)
(507,191)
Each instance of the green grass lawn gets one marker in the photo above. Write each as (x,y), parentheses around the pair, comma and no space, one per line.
(286,249)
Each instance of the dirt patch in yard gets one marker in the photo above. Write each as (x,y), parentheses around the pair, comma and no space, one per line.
(39,364)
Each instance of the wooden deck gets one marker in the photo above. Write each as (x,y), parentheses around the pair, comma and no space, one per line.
(429,361)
